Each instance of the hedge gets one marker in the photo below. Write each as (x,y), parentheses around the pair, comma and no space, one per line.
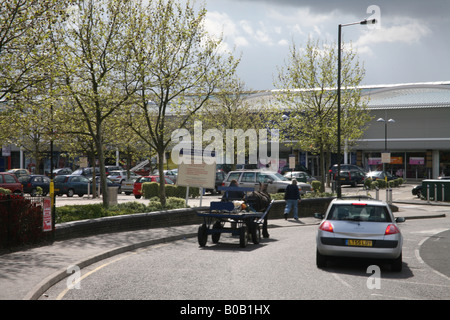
(92,211)
(21,222)
(151,189)
(381,184)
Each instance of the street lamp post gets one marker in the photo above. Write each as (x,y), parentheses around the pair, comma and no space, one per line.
(338,182)
(385,134)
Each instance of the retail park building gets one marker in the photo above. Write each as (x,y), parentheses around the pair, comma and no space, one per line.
(418,140)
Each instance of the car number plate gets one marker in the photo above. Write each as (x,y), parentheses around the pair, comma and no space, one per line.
(359,243)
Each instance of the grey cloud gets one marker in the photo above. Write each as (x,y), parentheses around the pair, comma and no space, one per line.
(414,9)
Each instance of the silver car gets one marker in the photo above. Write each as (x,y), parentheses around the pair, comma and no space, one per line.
(361,229)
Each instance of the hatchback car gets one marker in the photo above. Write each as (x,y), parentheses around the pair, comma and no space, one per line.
(351,177)
(10,181)
(71,184)
(121,175)
(139,181)
(31,183)
(300,176)
(359,229)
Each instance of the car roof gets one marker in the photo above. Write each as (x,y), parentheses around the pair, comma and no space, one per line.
(352,200)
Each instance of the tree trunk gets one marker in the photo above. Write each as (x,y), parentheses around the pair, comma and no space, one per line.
(162,181)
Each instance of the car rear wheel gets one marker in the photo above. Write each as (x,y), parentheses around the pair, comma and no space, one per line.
(321,260)
(70,193)
(396,264)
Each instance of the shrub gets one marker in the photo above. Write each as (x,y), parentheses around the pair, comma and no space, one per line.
(151,189)
(316,185)
(381,184)
(368,184)
(373,185)
(21,222)
(5,191)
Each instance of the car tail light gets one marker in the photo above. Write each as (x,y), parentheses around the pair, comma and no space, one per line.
(326,226)
(359,204)
(391,229)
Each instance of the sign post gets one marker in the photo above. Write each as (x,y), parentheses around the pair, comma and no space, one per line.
(47,216)
(198,173)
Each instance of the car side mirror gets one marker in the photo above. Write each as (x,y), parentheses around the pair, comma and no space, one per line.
(318,215)
(400,219)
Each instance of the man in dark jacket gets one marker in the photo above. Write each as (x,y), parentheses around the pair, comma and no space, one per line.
(292,197)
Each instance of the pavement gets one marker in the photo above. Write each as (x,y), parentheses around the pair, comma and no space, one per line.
(27,273)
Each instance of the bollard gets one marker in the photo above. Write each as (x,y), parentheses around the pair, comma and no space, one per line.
(435,193)
(377,193)
(443,193)
(428,193)
(390,195)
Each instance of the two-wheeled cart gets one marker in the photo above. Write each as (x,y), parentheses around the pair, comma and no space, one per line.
(223,217)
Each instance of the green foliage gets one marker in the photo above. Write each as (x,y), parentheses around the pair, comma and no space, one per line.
(316,185)
(5,191)
(93,211)
(151,190)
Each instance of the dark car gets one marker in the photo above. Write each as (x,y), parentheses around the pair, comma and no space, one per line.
(71,184)
(344,167)
(220,176)
(352,177)
(10,181)
(32,182)
(298,167)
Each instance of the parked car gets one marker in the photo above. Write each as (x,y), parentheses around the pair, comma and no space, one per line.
(172,174)
(109,184)
(254,178)
(300,176)
(86,172)
(344,167)
(127,186)
(121,175)
(62,171)
(19,172)
(10,181)
(379,175)
(32,182)
(220,176)
(352,177)
(359,229)
(70,185)
(110,169)
(139,181)
(298,167)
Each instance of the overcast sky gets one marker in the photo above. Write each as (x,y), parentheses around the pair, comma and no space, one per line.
(411,43)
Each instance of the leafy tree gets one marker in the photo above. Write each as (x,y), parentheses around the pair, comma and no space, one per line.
(308,99)
(94,74)
(229,108)
(23,30)
(179,67)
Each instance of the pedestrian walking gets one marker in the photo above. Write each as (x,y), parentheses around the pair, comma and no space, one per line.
(292,197)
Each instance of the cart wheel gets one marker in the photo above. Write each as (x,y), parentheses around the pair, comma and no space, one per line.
(202,235)
(256,233)
(216,236)
(243,237)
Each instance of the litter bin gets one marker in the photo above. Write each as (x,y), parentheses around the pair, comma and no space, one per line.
(112,195)
(440,187)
